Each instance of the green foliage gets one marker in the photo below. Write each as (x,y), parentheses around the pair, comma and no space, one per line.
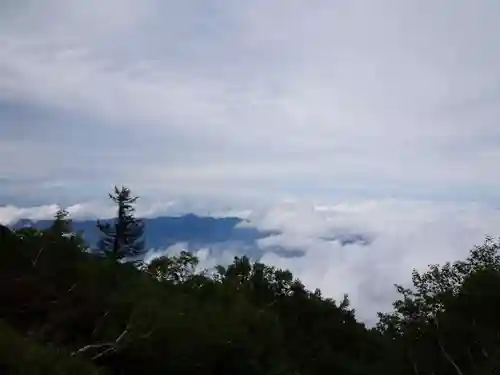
(167,318)
(62,226)
(62,223)
(22,356)
(65,310)
(122,238)
(448,322)
(176,268)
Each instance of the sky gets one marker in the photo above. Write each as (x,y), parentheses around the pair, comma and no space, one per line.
(243,105)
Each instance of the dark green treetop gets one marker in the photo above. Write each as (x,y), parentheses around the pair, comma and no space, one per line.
(123,237)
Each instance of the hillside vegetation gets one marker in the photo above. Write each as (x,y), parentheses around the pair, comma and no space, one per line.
(68,309)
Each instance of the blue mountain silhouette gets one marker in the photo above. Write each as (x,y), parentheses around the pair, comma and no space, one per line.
(197,231)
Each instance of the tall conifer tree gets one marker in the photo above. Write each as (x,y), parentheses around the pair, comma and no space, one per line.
(122,237)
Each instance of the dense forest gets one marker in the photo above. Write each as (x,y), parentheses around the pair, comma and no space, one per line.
(70,309)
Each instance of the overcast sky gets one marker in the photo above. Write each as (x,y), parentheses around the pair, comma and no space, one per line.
(240,103)
(318,98)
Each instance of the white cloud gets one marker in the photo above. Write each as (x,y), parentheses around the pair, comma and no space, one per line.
(402,235)
(11,214)
(389,98)
(81,211)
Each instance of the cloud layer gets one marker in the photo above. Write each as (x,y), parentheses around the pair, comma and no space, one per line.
(250,100)
(402,235)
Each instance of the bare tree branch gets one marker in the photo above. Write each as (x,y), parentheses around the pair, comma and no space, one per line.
(35,261)
(109,345)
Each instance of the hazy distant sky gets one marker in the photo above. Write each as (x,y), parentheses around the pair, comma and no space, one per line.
(252,98)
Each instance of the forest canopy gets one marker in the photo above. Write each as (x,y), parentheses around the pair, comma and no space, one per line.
(71,309)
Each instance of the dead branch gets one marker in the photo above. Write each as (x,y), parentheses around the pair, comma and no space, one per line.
(35,261)
(108,345)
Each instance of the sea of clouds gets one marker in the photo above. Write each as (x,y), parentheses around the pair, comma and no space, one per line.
(398,236)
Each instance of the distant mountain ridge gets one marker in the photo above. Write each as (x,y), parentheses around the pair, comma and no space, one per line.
(196,232)
(166,230)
